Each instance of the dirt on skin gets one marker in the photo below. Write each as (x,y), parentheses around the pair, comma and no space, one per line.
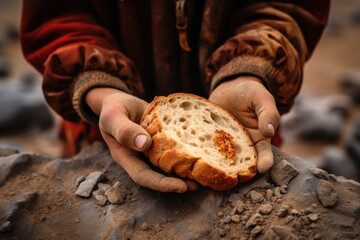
(40,199)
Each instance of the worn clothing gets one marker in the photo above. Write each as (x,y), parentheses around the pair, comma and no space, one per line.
(133,46)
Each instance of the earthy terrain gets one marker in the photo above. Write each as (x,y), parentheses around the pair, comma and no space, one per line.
(90,197)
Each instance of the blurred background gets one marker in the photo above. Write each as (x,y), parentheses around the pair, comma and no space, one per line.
(323,126)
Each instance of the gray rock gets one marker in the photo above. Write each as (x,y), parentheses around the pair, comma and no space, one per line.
(11,164)
(283,172)
(86,187)
(320,122)
(350,83)
(326,193)
(23,111)
(7,150)
(99,197)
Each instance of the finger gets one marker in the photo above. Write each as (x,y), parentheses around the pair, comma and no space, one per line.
(267,114)
(265,155)
(191,185)
(114,121)
(140,172)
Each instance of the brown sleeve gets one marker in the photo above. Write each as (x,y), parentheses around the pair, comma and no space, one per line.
(271,41)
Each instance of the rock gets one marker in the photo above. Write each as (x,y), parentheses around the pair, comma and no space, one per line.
(99,197)
(23,111)
(282,173)
(269,194)
(350,83)
(255,219)
(313,217)
(320,122)
(116,194)
(326,193)
(283,211)
(235,218)
(238,208)
(256,197)
(11,210)
(255,232)
(11,164)
(265,209)
(86,187)
(336,161)
(79,180)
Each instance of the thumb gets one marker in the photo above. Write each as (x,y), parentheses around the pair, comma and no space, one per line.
(267,114)
(115,122)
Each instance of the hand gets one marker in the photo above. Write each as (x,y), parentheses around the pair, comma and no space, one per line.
(119,115)
(253,105)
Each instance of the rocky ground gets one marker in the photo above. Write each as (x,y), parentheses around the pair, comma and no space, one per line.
(90,197)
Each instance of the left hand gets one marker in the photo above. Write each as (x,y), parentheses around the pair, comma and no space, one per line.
(254,106)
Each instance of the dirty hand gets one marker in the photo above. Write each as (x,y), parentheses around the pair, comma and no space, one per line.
(119,116)
(253,105)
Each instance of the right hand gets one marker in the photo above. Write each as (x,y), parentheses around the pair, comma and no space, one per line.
(119,117)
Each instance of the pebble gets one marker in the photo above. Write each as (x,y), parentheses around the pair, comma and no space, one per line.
(326,193)
(103,187)
(99,197)
(116,194)
(283,211)
(238,208)
(255,219)
(227,219)
(256,197)
(269,194)
(255,232)
(265,209)
(294,212)
(235,218)
(313,217)
(222,232)
(277,192)
(86,187)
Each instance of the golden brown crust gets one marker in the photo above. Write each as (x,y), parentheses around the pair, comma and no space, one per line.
(170,156)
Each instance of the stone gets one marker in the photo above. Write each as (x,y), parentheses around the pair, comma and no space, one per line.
(7,150)
(336,161)
(255,232)
(11,164)
(350,83)
(116,194)
(313,217)
(99,197)
(23,111)
(320,122)
(235,218)
(326,193)
(265,209)
(283,211)
(256,197)
(255,219)
(282,173)
(86,187)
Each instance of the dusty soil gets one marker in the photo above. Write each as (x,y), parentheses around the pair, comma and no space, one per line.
(295,201)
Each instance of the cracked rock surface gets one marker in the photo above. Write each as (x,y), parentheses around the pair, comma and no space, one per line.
(39,200)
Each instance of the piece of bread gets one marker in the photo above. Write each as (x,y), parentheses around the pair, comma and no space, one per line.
(199,140)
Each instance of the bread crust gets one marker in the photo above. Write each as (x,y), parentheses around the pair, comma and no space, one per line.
(171,157)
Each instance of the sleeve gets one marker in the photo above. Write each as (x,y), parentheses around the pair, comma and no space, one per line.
(65,41)
(271,40)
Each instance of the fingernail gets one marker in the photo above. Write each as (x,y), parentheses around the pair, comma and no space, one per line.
(140,141)
(271,128)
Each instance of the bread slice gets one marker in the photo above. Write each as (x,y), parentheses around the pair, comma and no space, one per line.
(197,139)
